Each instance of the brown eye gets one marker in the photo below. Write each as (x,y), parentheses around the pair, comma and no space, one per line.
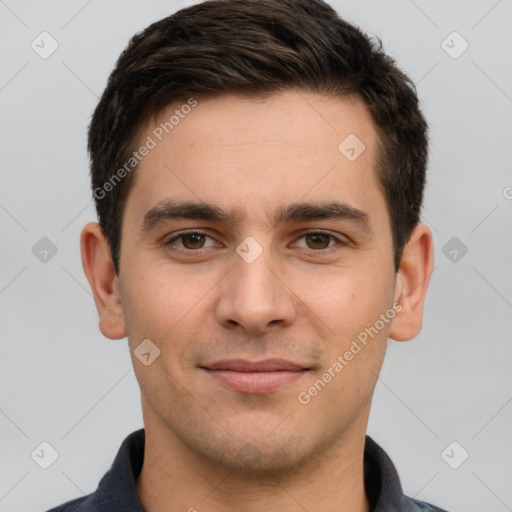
(317,240)
(193,240)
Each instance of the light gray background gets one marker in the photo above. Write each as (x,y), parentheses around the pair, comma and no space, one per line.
(63,383)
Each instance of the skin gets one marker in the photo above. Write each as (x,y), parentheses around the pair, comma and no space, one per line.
(303,299)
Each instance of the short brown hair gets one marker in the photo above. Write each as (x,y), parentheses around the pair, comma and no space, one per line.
(256,48)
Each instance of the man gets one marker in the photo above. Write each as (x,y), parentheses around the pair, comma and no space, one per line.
(258,170)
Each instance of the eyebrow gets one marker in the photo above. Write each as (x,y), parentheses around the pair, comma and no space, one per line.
(298,212)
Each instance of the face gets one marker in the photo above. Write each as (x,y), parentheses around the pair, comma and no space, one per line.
(258,300)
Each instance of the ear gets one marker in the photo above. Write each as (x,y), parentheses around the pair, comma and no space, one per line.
(412,281)
(99,269)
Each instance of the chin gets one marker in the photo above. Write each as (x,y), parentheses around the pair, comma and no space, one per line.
(263,453)
(262,459)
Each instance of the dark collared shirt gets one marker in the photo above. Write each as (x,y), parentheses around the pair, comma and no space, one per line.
(116,491)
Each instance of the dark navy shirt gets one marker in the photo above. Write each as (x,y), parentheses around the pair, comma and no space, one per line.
(116,491)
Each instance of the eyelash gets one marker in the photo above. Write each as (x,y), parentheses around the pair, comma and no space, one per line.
(201,233)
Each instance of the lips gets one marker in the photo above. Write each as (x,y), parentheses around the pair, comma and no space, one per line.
(269,365)
(255,377)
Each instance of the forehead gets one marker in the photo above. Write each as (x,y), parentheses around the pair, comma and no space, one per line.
(256,154)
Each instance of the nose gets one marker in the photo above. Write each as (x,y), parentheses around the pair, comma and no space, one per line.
(254,296)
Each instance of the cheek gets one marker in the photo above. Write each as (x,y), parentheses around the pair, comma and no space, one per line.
(352,301)
(149,309)
(167,307)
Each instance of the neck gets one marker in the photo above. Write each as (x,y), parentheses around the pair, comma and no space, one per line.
(175,479)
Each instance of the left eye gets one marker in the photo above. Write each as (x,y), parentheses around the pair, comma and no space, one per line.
(318,240)
(195,240)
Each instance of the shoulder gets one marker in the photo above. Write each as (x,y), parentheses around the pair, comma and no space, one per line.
(77,505)
(420,506)
(383,484)
(116,490)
